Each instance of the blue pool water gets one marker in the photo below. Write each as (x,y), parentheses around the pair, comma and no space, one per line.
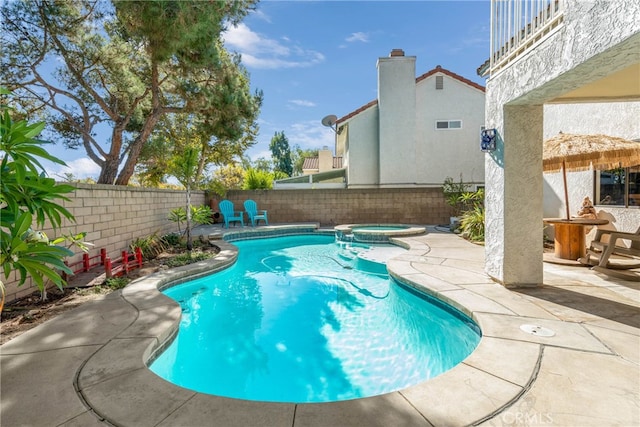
(292,321)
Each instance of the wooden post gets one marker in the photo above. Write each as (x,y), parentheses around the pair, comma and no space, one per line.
(107,267)
(86,263)
(139,257)
(125,262)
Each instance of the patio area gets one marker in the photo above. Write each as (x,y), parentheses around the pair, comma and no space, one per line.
(87,367)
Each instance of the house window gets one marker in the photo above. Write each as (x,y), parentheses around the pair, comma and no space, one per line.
(448,124)
(618,187)
(439,82)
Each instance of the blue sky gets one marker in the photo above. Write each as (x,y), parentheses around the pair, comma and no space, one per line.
(312,59)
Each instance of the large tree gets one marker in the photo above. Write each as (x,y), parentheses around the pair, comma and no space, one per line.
(281,153)
(174,134)
(92,65)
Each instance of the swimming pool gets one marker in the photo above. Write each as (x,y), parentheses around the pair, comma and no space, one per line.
(292,321)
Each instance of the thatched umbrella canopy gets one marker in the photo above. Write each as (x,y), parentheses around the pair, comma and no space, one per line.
(583,152)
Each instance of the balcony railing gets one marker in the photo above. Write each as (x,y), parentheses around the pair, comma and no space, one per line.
(519,25)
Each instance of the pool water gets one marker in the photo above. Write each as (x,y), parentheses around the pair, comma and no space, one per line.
(291,321)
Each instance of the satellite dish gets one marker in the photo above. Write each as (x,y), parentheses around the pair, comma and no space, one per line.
(329,120)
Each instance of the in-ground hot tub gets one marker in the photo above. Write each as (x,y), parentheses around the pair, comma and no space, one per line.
(375,233)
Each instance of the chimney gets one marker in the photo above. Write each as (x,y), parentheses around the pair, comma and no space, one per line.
(397,117)
(325,159)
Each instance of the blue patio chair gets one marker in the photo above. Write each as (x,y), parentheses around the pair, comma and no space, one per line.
(229,214)
(254,214)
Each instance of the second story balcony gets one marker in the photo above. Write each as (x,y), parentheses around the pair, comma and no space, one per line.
(517,26)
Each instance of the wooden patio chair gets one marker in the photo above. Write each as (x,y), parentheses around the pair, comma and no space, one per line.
(611,249)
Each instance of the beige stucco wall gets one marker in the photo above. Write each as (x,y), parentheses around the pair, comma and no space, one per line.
(112,217)
(451,152)
(596,39)
(363,155)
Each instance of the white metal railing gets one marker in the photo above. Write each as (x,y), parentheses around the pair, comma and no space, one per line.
(518,25)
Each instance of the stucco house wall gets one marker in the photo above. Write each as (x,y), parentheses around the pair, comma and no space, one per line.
(362,154)
(596,39)
(448,152)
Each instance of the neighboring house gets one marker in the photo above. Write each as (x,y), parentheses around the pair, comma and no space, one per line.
(325,162)
(418,131)
(547,57)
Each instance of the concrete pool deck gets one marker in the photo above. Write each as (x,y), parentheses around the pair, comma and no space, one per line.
(87,366)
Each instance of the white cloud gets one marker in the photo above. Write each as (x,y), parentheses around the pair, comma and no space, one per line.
(80,168)
(311,135)
(259,51)
(358,37)
(261,15)
(302,103)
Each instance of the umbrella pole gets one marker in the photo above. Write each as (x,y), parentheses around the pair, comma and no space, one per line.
(566,193)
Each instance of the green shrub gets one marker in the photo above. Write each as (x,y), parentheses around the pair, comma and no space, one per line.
(199,215)
(472,221)
(150,246)
(116,283)
(256,179)
(452,192)
(188,258)
(172,239)
(472,224)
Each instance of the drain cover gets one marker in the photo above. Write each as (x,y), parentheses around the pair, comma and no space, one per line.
(537,330)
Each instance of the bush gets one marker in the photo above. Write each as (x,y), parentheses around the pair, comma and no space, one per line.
(255,179)
(172,239)
(472,221)
(29,196)
(472,224)
(452,192)
(151,246)
(199,215)
(116,283)
(188,258)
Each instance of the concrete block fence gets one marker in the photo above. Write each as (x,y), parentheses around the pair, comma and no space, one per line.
(332,207)
(115,216)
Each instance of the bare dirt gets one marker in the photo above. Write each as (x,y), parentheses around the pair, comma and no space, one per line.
(28,312)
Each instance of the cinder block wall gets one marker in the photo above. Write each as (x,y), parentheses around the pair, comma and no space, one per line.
(333,207)
(113,216)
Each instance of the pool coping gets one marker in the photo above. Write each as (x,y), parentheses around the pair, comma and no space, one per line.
(116,387)
(378,236)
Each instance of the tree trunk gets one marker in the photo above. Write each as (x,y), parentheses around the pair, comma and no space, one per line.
(109,171)
(189,242)
(111,163)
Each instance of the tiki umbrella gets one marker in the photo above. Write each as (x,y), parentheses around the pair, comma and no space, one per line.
(583,152)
